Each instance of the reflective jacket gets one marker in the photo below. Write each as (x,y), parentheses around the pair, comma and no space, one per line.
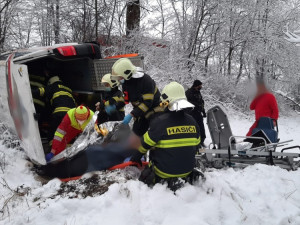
(35,83)
(142,93)
(173,138)
(114,97)
(59,96)
(67,130)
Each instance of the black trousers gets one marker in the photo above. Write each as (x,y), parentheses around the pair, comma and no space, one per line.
(199,119)
(94,158)
(73,167)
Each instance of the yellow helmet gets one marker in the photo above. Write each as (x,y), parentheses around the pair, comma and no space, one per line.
(124,68)
(54,79)
(174,94)
(82,113)
(107,79)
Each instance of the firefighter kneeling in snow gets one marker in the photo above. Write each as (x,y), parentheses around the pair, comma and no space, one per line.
(70,127)
(112,106)
(173,139)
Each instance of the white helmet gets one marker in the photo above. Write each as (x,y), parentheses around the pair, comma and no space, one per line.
(124,68)
(174,94)
(54,79)
(107,79)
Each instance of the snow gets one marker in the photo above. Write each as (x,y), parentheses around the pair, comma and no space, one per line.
(227,197)
(259,194)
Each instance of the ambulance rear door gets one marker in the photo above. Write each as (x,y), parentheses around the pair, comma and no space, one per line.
(22,110)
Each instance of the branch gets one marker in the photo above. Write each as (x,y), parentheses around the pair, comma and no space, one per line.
(5,5)
(291,37)
(287,97)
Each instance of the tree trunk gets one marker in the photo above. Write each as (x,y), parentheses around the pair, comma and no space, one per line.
(84,21)
(241,63)
(56,24)
(96,20)
(111,23)
(132,16)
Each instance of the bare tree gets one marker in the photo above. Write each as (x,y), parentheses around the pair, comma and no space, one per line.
(6,10)
(132,16)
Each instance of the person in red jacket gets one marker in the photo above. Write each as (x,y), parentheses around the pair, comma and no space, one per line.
(70,127)
(264,104)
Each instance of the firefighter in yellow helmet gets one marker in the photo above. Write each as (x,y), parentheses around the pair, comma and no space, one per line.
(140,90)
(173,139)
(111,108)
(70,127)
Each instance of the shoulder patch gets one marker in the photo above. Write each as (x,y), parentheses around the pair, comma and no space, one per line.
(181,130)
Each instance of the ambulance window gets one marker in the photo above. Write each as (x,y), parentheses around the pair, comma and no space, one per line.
(18,54)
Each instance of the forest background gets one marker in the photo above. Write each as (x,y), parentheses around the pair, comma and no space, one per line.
(227,44)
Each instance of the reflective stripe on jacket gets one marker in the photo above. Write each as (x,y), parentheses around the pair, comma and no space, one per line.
(68,129)
(115,97)
(35,83)
(59,96)
(173,138)
(142,93)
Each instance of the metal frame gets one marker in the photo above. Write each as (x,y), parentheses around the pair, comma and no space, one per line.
(220,158)
(266,154)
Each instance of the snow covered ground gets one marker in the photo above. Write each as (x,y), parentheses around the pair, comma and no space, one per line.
(259,194)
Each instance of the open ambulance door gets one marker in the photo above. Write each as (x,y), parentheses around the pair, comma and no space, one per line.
(22,110)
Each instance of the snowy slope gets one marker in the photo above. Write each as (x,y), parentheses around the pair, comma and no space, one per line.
(259,194)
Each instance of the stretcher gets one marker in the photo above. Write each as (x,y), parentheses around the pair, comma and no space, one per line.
(226,150)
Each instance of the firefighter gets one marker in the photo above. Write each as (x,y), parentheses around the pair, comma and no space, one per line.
(140,90)
(70,127)
(173,139)
(38,101)
(60,98)
(111,108)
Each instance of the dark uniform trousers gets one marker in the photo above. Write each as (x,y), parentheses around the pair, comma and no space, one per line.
(199,119)
(195,97)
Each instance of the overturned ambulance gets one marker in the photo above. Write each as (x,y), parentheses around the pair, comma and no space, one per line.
(79,66)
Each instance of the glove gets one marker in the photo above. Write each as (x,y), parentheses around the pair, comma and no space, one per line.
(137,158)
(127,119)
(49,156)
(204,114)
(109,109)
(101,131)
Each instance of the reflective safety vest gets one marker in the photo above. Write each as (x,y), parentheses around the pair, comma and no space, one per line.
(68,129)
(173,138)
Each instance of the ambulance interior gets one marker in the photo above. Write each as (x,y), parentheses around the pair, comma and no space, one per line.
(76,74)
